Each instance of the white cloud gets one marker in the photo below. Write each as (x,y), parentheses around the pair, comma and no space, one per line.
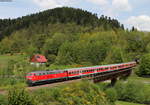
(140,22)
(47,4)
(121,5)
(118,6)
(99,2)
(113,7)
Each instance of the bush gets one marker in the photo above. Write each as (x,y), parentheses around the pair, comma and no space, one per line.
(111,94)
(18,96)
(133,92)
(79,93)
(144,69)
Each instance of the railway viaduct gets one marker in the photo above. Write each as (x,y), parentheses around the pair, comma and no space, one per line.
(113,75)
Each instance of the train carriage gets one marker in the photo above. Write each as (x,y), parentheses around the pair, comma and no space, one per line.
(40,76)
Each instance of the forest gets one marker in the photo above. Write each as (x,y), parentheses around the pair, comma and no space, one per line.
(70,37)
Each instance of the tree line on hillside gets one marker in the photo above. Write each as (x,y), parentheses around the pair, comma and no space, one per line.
(74,44)
(58,15)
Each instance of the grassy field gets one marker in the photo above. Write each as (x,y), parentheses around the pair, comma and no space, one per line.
(4,59)
(126,103)
(135,77)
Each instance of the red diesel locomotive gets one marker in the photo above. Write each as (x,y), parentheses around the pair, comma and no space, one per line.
(43,76)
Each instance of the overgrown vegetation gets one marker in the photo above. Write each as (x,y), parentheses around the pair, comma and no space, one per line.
(144,68)
(133,92)
(79,93)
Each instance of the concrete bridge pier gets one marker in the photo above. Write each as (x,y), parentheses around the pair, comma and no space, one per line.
(113,81)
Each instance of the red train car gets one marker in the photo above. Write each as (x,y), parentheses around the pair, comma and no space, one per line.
(41,76)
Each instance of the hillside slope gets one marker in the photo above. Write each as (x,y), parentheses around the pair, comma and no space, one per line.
(58,15)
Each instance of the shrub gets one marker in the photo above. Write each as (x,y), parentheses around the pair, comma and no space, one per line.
(18,96)
(79,93)
(144,68)
(133,92)
(111,94)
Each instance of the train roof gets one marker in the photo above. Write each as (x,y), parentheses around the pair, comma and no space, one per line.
(96,66)
(61,71)
(48,71)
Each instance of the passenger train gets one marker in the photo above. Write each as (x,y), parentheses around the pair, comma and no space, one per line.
(66,74)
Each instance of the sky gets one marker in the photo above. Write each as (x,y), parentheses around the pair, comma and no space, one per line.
(129,12)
